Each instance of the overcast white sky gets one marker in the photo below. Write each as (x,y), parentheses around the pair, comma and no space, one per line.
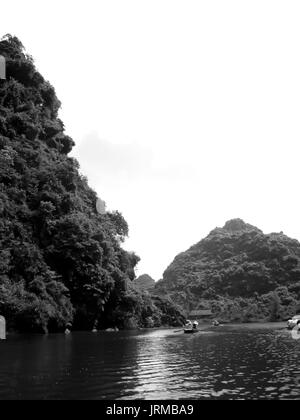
(185,113)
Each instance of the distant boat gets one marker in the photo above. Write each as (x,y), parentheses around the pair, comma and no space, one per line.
(190,331)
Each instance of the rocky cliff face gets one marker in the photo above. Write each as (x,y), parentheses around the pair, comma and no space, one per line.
(238,271)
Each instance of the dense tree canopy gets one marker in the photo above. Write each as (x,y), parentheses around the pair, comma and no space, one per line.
(238,271)
(60,259)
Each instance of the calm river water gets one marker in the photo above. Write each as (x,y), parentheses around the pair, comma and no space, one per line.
(235,363)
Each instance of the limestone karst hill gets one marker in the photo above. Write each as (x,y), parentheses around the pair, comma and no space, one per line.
(239,272)
(144,282)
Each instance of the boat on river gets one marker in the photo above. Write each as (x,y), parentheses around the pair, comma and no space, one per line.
(191,328)
(190,331)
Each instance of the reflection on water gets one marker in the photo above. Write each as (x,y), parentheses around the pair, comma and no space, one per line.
(157,364)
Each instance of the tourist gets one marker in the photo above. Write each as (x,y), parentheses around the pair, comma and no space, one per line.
(188,324)
(68,329)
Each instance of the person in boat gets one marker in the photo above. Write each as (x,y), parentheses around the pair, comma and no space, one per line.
(95,327)
(195,325)
(188,324)
(68,329)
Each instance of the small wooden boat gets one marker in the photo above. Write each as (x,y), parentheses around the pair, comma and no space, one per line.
(190,331)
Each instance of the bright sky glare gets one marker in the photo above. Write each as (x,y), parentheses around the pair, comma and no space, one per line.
(185,113)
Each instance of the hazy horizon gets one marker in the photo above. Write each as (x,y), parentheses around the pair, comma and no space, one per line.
(185,114)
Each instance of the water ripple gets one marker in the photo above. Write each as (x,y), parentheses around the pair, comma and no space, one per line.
(157,364)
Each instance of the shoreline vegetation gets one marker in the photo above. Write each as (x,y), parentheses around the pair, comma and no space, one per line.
(204,327)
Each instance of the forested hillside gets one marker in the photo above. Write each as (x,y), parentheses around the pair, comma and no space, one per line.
(60,260)
(144,282)
(238,272)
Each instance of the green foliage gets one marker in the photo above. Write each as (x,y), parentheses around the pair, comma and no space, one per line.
(144,283)
(242,273)
(134,309)
(60,261)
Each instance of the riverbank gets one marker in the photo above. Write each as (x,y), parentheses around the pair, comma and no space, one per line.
(246,326)
(201,327)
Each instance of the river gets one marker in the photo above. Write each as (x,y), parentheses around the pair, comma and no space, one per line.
(238,362)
